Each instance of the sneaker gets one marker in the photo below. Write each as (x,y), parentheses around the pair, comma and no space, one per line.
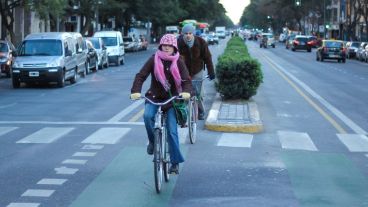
(174,169)
(150,148)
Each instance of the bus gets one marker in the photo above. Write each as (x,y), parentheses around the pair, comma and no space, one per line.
(201,27)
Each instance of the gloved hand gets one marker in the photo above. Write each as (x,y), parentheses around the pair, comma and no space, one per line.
(135,96)
(185,95)
(211,76)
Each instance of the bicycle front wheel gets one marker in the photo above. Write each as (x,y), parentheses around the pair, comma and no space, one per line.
(157,160)
(192,119)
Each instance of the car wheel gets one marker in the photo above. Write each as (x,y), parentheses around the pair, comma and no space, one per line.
(61,81)
(106,65)
(84,73)
(97,66)
(75,76)
(122,62)
(16,83)
(88,71)
(344,60)
(309,50)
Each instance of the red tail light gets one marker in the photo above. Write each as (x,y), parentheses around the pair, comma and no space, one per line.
(296,42)
(310,43)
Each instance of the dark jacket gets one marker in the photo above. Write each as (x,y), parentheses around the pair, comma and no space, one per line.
(156,92)
(196,56)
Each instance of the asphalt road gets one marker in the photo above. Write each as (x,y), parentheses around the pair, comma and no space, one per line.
(84,145)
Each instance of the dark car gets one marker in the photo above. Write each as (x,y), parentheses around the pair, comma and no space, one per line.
(301,43)
(212,39)
(331,49)
(314,41)
(99,46)
(352,49)
(92,57)
(7,53)
(289,41)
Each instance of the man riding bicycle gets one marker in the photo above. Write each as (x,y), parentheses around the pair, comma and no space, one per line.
(169,77)
(196,54)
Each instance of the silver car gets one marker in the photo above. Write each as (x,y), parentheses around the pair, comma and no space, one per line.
(46,57)
(98,44)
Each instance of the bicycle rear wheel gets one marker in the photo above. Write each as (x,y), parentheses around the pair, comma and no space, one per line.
(157,160)
(192,119)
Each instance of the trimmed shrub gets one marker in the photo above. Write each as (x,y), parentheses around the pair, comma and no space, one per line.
(238,75)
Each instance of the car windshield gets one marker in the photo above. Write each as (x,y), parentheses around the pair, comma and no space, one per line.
(109,41)
(3,47)
(355,44)
(302,39)
(41,48)
(334,44)
(127,39)
(96,43)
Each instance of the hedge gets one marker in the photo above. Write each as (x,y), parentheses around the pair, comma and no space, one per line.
(238,75)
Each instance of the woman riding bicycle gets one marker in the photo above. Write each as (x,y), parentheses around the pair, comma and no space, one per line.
(168,73)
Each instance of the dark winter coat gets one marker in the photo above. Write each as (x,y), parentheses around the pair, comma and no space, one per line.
(156,91)
(196,56)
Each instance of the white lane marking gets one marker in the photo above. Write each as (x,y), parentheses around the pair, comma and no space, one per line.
(354,142)
(92,147)
(84,154)
(353,126)
(23,205)
(5,130)
(66,171)
(106,136)
(182,133)
(38,193)
(46,135)
(296,141)
(74,162)
(126,111)
(73,123)
(51,181)
(235,140)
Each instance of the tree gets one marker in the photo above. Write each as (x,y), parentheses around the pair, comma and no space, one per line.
(7,16)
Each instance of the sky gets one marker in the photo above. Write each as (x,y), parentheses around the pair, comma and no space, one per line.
(234,8)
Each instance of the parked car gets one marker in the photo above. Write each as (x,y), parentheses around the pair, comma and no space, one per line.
(331,49)
(130,44)
(81,53)
(360,51)
(212,39)
(7,54)
(301,43)
(204,36)
(114,44)
(352,49)
(99,46)
(92,57)
(45,57)
(267,39)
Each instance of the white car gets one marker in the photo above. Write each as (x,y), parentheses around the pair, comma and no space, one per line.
(270,40)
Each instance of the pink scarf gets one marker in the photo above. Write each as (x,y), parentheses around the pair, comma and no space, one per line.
(159,69)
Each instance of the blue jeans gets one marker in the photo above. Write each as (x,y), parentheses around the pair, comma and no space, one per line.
(172,130)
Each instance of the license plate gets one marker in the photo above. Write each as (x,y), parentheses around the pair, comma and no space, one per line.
(333,56)
(34,74)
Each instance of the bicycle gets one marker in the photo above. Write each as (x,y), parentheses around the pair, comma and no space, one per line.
(193,109)
(161,156)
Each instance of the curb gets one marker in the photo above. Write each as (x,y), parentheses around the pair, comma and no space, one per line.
(255,124)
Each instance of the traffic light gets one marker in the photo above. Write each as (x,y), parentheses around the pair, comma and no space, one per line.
(298,2)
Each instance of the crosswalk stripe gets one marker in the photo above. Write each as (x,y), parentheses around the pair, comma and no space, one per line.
(51,181)
(75,162)
(38,193)
(65,170)
(235,140)
(92,147)
(46,135)
(5,130)
(106,136)
(354,142)
(296,141)
(23,205)
(84,154)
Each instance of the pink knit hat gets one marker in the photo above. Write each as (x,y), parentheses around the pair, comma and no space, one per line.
(169,39)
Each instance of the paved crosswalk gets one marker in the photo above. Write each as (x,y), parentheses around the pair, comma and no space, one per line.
(289,140)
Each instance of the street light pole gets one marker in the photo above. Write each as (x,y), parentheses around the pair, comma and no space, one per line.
(324,19)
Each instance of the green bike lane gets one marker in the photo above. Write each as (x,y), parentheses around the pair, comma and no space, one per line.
(315,179)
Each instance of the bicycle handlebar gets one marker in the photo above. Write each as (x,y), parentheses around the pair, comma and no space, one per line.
(163,103)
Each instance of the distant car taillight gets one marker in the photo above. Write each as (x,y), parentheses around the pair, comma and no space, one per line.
(296,42)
